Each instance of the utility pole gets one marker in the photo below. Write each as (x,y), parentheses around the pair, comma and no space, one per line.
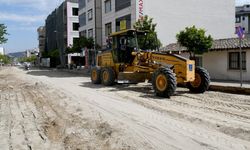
(241,63)
(240,33)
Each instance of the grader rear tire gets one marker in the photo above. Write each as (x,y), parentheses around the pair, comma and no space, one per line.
(201,82)
(164,82)
(108,76)
(96,75)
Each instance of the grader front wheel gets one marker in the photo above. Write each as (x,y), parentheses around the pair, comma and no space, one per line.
(201,82)
(96,75)
(164,82)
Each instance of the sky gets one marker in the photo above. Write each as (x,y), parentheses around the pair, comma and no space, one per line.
(23,17)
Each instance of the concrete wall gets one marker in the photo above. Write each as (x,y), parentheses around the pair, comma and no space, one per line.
(217,65)
(171,16)
(216,62)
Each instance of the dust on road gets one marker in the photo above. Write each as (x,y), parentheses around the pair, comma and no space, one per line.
(43,109)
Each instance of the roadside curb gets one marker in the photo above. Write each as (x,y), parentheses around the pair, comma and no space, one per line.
(230,89)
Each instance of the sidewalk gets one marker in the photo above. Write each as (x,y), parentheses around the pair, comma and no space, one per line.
(230,87)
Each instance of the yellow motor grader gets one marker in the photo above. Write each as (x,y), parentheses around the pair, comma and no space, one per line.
(124,62)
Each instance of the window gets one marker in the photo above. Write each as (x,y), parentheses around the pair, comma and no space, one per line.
(234,60)
(243,18)
(75,41)
(238,19)
(83,33)
(82,19)
(126,20)
(75,11)
(75,26)
(108,29)
(90,33)
(121,4)
(90,14)
(108,6)
(82,4)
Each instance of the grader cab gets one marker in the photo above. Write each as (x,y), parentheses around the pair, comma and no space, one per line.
(126,63)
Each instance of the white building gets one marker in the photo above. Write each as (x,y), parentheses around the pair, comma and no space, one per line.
(223,60)
(72,24)
(170,16)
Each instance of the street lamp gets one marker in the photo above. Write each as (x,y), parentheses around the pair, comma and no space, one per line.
(55,31)
(59,48)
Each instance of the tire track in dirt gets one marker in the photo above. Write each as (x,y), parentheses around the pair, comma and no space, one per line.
(198,113)
(32,109)
(175,128)
(238,127)
(32,112)
(179,123)
(212,102)
(58,122)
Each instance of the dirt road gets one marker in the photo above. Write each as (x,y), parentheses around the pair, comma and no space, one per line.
(42,109)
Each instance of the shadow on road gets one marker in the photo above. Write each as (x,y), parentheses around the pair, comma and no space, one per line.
(145,90)
(91,85)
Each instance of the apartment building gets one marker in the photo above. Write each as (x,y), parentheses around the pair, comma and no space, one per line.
(41,38)
(98,18)
(242,18)
(90,19)
(62,28)
(170,16)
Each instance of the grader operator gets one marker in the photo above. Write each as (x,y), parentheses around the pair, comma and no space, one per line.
(126,63)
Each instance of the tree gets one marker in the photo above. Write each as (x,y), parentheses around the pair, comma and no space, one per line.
(150,40)
(30,59)
(80,43)
(4,59)
(75,48)
(3,33)
(194,40)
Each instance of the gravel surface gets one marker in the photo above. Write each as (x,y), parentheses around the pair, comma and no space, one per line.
(41,109)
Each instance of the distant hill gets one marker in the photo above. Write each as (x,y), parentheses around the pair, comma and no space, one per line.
(17,54)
